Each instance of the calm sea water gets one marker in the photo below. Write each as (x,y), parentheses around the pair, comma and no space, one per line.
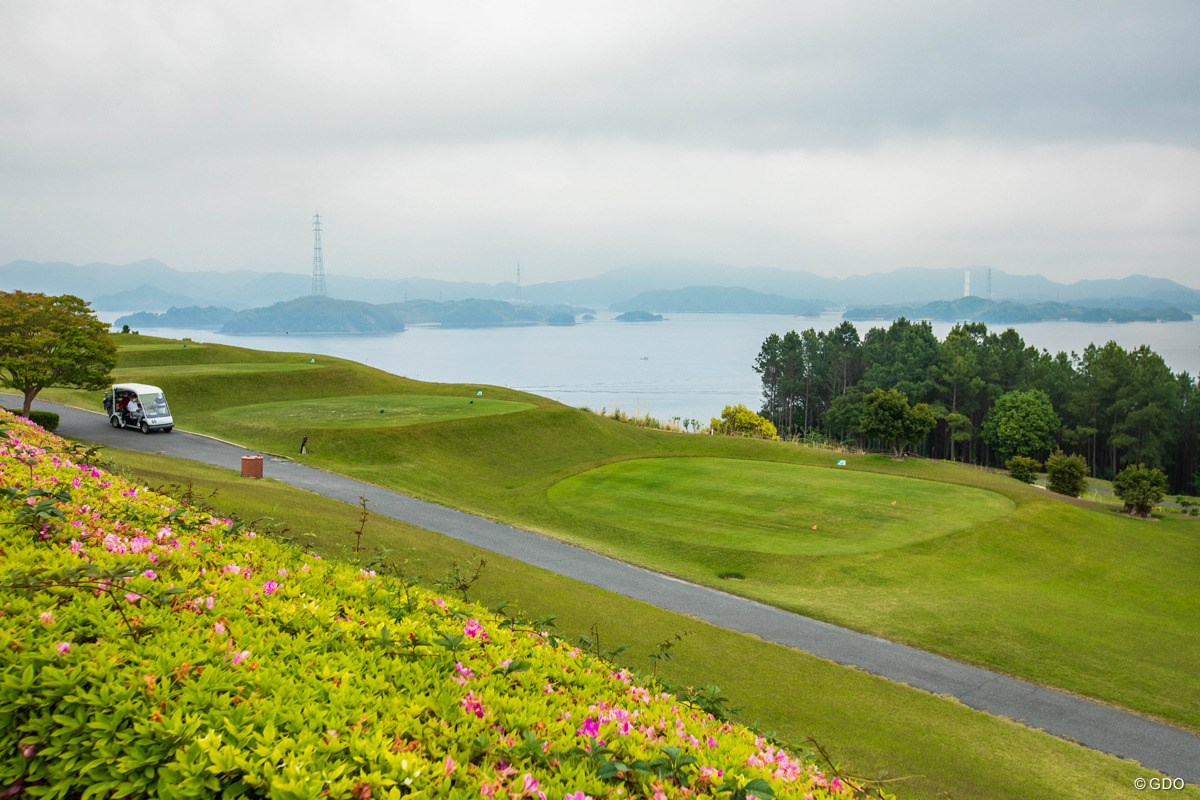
(689,366)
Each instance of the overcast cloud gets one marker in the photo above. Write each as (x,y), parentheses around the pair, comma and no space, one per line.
(458,139)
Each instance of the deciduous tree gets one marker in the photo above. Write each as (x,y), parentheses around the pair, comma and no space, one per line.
(52,340)
(887,415)
(1021,424)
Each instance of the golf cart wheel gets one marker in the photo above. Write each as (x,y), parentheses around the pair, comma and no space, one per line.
(115,421)
(168,429)
(145,426)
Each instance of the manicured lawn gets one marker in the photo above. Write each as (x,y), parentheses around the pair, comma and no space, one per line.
(369,411)
(709,510)
(1068,595)
(932,747)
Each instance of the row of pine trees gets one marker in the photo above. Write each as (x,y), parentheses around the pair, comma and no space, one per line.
(1115,407)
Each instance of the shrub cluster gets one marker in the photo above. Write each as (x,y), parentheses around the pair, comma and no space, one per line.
(1067,474)
(1023,468)
(1140,488)
(151,649)
(44,419)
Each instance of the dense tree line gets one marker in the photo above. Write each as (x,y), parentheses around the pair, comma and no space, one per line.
(992,396)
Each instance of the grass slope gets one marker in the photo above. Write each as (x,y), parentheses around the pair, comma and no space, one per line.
(930,746)
(1066,594)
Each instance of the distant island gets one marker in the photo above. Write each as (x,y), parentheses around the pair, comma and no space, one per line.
(475,313)
(721,300)
(315,314)
(188,317)
(639,316)
(979,309)
(328,315)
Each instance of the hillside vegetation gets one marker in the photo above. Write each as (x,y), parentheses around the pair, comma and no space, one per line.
(152,649)
(1068,595)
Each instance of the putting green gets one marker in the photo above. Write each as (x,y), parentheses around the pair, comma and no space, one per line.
(720,504)
(368,411)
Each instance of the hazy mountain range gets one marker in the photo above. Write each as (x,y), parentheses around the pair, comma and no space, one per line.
(152,286)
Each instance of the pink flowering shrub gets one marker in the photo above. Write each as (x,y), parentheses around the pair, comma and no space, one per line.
(147,649)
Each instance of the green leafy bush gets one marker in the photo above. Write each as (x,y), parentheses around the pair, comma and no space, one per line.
(741,421)
(1067,473)
(1023,469)
(149,649)
(46,419)
(1140,488)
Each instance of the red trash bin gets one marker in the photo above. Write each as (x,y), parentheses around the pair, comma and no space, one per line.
(252,466)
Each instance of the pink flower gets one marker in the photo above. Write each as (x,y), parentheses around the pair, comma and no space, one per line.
(46,617)
(208,602)
(219,628)
(590,728)
(240,657)
(472,705)
(529,787)
(281,572)
(448,766)
(711,742)
(578,796)
(151,574)
(62,648)
(270,587)
(132,597)
(464,674)
(473,630)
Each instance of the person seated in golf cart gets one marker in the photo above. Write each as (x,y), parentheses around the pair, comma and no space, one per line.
(138,405)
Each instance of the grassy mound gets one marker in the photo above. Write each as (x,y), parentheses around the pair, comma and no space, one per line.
(714,509)
(150,649)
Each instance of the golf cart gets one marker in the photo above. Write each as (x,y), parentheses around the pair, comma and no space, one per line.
(137,405)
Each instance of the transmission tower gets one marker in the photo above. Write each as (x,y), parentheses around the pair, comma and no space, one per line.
(318,283)
(518,283)
(989,284)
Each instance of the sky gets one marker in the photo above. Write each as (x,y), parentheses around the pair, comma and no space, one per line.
(458,140)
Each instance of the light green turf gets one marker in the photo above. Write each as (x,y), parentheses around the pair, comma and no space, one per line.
(157,344)
(723,507)
(370,411)
(145,374)
(931,747)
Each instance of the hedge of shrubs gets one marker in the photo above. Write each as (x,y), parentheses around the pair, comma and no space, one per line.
(44,419)
(148,649)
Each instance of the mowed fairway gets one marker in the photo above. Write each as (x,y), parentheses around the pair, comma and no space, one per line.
(711,505)
(370,411)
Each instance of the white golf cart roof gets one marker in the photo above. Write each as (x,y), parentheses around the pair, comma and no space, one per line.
(136,388)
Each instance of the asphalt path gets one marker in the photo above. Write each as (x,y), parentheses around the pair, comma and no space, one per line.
(1168,749)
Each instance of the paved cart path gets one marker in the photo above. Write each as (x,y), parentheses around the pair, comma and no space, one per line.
(1154,744)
